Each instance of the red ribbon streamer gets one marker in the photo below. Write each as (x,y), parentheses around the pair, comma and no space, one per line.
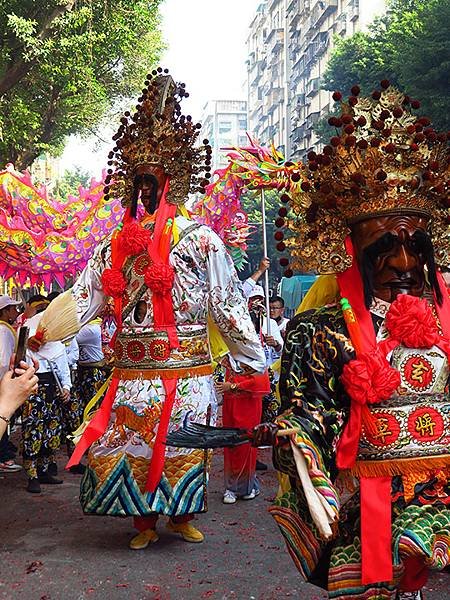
(156,466)
(97,426)
(376,553)
(351,288)
(375,492)
(164,319)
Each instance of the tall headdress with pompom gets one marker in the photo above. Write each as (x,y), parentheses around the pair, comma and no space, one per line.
(383,160)
(158,134)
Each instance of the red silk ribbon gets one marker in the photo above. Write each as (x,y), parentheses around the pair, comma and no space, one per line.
(375,492)
(156,466)
(97,426)
(164,319)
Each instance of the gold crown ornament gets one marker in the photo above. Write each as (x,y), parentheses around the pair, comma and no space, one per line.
(383,160)
(158,134)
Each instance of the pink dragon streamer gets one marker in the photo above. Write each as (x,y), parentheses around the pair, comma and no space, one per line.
(44,240)
(251,168)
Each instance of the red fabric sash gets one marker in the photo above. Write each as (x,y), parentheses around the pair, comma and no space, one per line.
(159,250)
(375,493)
(444,310)
(351,288)
(156,466)
(376,527)
(97,426)
(164,319)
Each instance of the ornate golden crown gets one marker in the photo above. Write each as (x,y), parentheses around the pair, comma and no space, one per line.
(157,133)
(382,161)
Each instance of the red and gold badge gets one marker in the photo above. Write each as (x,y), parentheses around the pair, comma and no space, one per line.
(425,424)
(159,349)
(387,429)
(141,264)
(135,350)
(418,372)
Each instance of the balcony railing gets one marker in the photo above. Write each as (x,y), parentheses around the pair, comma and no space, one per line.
(312,119)
(321,11)
(313,86)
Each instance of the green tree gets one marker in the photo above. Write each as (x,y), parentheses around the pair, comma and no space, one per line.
(410,46)
(63,64)
(71,181)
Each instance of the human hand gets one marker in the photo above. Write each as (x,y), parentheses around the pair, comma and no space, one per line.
(65,395)
(271,341)
(22,367)
(224,386)
(14,391)
(264,264)
(264,434)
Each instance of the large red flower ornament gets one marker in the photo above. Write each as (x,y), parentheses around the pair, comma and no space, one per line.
(134,239)
(113,282)
(370,378)
(411,322)
(159,278)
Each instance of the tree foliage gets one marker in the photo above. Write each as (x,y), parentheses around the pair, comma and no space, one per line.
(410,46)
(63,63)
(70,181)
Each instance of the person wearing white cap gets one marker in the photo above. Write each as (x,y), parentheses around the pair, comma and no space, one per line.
(8,314)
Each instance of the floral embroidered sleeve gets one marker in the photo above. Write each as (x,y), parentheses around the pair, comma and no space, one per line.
(228,307)
(87,289)
(316,343)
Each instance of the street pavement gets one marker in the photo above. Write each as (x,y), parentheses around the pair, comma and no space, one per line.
(51,551)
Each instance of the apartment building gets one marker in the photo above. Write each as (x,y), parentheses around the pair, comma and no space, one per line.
(224,125)
(305,40)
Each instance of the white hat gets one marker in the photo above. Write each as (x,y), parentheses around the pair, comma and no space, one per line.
(257,290)
(8,301)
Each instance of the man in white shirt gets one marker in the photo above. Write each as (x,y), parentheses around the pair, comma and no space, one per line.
(8,315)
(41,417)
(276,305)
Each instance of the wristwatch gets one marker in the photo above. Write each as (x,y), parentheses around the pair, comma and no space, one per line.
(233,387)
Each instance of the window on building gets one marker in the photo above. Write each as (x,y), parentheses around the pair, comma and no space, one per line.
(224,126)
(242,121)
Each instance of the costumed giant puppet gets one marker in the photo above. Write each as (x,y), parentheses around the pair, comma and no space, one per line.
(365,379)
(167,274)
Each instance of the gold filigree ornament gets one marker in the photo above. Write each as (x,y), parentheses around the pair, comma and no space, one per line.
(158,134)
(383,160)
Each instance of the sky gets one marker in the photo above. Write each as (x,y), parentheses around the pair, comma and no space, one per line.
(206,51)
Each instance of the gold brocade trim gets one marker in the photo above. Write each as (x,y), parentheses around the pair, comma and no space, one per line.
(131,374)
(150,350)
(400,466)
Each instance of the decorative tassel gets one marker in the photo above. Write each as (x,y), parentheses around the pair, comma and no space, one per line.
(400,466)
(353,327)
(186,373)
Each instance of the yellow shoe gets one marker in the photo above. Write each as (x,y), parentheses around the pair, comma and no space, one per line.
(143,539)
(188,532)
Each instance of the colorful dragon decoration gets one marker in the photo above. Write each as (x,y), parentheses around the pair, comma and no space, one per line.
(251,168)
(43,239)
